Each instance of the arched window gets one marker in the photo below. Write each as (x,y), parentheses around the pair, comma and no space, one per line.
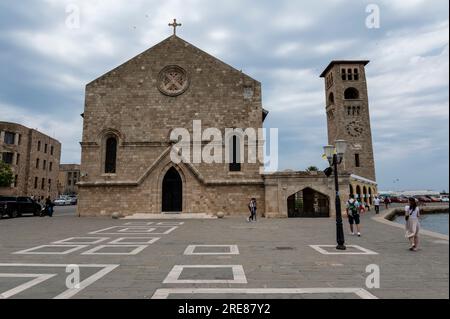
(331,99)
(111,155)
(351,94)
(235,154)
(344,74)
(349,75)
(356,74)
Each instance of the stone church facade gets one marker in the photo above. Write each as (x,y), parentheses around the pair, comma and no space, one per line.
(129,115)
(130,107)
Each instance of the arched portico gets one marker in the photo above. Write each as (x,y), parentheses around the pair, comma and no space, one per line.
(308,203)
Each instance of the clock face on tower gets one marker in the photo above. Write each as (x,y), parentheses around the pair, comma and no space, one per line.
(354,129)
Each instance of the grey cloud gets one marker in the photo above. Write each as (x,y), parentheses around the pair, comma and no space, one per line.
(283,44)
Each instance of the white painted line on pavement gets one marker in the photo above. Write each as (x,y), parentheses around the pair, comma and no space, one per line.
(136,230)
(38,278)
(140,230)
(362,251)
(170,223)
(69,293)
(95,251)
(165,293)
(139,223)
(81,241)
(134,241)
(32,251)
(190,250)
(174,275)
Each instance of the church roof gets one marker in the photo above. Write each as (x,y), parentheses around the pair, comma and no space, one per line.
(186,44)
(334,62)
(265,114)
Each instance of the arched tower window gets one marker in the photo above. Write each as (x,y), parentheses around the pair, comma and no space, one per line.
(349,75)
(351,94)
(356,74)
(111,155)
(331,99)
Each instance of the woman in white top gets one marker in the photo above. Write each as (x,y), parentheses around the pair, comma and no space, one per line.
(412,214)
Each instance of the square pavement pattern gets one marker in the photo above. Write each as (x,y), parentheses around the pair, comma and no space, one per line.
(229,258)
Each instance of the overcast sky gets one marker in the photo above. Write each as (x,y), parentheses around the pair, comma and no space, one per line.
(45,66)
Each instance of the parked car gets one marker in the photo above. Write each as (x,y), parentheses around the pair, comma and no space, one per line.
(399,199)
(63,201)
(434,199)
(404,199)
(423,199)
(444,199)
(8,207)
(18,206)
(73,200)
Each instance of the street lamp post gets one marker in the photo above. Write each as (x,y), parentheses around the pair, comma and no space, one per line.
(335,156)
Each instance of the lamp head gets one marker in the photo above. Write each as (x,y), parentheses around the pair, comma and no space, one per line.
(329,152)
(341,147)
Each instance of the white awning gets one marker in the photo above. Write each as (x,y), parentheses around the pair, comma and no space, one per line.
(362,179)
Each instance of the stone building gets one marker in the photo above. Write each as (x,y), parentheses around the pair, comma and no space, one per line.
(69,175)
(34,158)
(129,115)
(348,117)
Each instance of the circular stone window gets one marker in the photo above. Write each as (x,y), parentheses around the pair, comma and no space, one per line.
(173,80)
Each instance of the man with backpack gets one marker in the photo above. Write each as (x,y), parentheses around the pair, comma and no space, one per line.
(353,209)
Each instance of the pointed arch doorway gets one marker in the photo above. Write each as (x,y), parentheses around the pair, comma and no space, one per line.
(172,192)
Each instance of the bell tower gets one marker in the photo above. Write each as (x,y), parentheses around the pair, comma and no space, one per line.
(348,116)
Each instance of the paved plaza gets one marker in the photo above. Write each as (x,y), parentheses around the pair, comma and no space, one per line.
(229,258)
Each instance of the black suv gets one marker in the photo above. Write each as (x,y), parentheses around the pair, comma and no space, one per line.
(18,206)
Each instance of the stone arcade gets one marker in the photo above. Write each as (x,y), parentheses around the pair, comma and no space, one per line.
(131,111)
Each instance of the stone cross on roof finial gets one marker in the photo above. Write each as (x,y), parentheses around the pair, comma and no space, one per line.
(175,25)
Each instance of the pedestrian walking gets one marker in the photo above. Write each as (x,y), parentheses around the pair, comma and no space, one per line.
(412,214)
(353,213)
(361,207)
(49,207)
(387,201)
(252,207)
(377,203)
